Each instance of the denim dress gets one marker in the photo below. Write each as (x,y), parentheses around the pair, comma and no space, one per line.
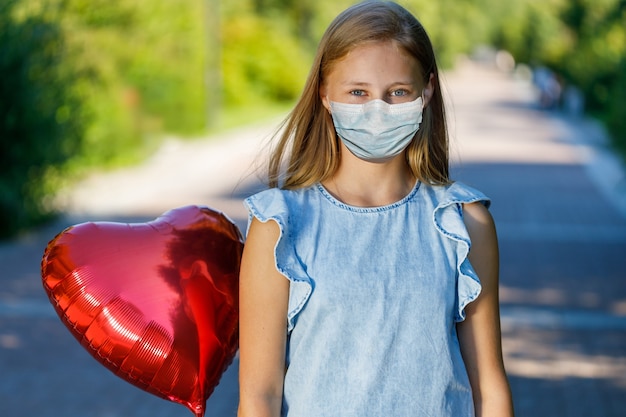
(374,298)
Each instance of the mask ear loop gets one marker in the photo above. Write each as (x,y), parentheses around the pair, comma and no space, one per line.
(425,89)
(423,97)
(326,104)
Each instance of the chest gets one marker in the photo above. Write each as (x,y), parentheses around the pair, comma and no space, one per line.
(377,264)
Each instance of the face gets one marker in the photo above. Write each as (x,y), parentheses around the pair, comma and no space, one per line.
(380,70)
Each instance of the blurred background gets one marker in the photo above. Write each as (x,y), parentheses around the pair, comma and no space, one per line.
(139,106)
(90,84)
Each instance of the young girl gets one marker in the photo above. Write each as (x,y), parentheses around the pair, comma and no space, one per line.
(359,293)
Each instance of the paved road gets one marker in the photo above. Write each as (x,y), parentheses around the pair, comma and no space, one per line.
(558,200)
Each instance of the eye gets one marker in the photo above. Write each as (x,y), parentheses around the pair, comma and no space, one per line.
(358,93)
(399,93)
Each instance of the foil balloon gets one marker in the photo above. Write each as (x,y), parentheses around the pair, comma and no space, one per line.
(156,303)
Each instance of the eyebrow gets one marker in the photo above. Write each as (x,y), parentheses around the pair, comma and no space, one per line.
(359,83)
(365,84)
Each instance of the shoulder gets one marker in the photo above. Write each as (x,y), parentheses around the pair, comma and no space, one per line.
(285,207)
(278,196)
(455,193)
(475,211)
(458,210)
(458,192)
(275,201)
(478,221)
(267,198)
(452,198)
(480,227)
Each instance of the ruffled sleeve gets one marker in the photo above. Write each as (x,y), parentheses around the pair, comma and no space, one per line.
(448,218)
(273,204)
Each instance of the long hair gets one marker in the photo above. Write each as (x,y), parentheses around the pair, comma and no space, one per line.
(308,150)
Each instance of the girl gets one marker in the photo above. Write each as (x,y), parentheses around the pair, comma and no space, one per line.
(359,293)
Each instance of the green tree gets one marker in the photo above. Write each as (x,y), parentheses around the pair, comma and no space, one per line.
(41,118)
(91,83)
(262,60)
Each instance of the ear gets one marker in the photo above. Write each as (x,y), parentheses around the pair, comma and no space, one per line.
(324,97)
(429,89)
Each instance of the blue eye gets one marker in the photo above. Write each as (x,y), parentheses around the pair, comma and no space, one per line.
(399,93)
(358,93)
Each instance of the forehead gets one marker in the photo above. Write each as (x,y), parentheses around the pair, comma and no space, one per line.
(373,60)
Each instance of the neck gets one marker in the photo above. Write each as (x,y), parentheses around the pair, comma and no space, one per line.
(366,184)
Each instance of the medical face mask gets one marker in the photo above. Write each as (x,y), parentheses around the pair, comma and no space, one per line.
(377,130)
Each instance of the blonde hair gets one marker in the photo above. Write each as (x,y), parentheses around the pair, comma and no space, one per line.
(308,151)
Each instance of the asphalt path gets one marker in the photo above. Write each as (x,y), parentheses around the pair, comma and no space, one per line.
(559,201)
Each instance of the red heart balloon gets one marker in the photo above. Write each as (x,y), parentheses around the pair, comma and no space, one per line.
(156,302)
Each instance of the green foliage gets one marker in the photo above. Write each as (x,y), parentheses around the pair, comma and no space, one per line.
(583,41)
(41,118)
(453,26)
(616,105)
(153,57)
(89,83)
(533,32)
(92,83)
(261,61)
(598,50)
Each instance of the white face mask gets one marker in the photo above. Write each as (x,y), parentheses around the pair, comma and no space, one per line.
(377,130)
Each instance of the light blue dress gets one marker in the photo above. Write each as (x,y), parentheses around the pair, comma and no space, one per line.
(375,295)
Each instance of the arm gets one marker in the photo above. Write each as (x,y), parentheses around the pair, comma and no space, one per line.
(479,334)
(263,303)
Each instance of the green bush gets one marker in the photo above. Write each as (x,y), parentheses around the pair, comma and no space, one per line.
(90,83)
(617,109)
(262,61)
(41,118)
(583,41)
